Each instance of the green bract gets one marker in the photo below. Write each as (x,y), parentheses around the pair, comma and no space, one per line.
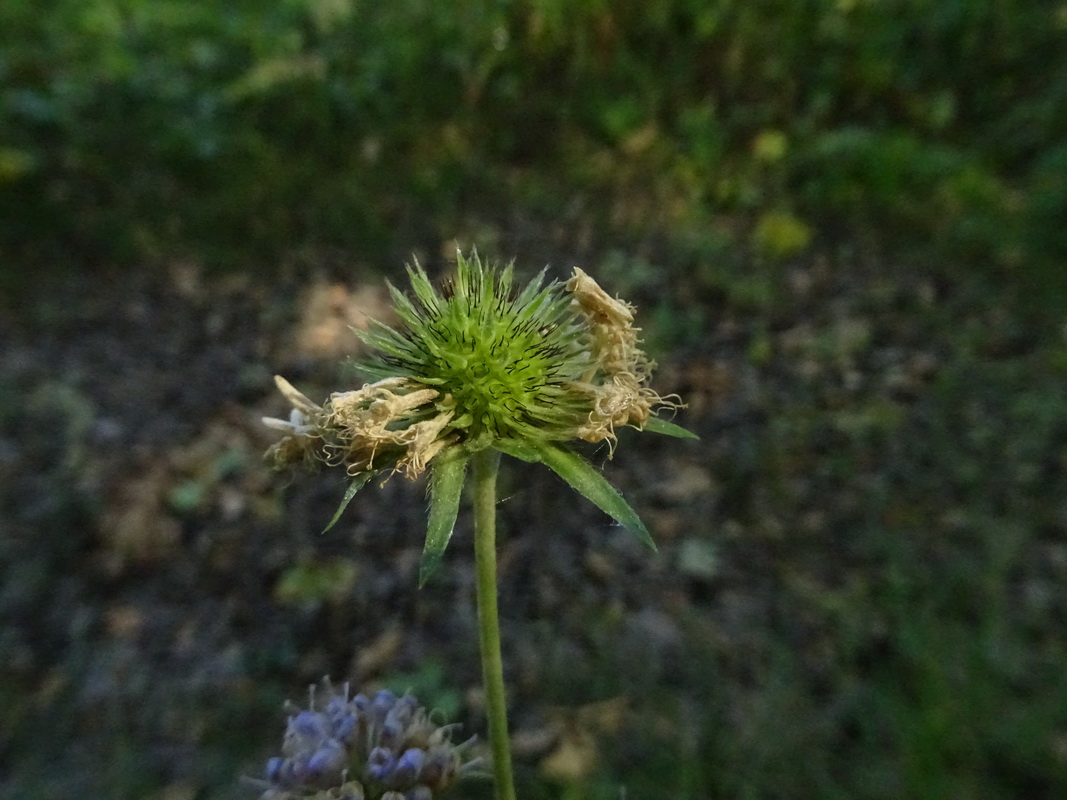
(477,365)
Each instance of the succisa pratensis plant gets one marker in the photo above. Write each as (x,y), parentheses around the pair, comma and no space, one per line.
(477,369)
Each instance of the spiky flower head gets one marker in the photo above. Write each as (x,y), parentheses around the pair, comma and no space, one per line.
(479,364)
(365,747)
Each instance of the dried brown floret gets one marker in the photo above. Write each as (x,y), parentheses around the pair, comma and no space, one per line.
(303,437)
(615,384)
(423,441)
(614,338)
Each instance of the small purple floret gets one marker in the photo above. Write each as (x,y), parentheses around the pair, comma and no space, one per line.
(409,766)
(309,724)
(328,760)
(274,768)
(380,763)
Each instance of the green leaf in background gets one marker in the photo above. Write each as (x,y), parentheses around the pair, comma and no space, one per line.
(310,583)
(593,486)
(446,485)
(357,483)
(657,425)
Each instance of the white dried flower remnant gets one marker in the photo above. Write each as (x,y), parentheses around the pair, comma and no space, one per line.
(616,382)
(302,438)
(611,319)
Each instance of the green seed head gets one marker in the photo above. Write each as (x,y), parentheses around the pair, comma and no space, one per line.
(479,364)
(503,363)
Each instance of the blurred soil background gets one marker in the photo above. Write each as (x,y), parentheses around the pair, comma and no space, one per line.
(845,226)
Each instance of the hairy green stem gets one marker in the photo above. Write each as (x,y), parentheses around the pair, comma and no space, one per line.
(486,464)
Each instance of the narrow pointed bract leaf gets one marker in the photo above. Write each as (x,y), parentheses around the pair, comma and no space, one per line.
(518,449)
(657,425)
(583,478)
(357,483)
(423,289)
(446,486)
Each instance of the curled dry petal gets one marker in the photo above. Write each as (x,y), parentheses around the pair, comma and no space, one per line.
(369,411)
(596,302)
(424,443)
(297,424)
(302,435)
(297,399)
(616,383)
(614,338)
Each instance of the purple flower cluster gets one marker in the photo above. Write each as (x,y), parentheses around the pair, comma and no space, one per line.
(360,748)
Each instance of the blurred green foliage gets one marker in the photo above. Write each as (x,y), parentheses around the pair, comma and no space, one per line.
(134,131)
(232,131)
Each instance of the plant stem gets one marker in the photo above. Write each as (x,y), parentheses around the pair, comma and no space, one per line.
(486,464)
